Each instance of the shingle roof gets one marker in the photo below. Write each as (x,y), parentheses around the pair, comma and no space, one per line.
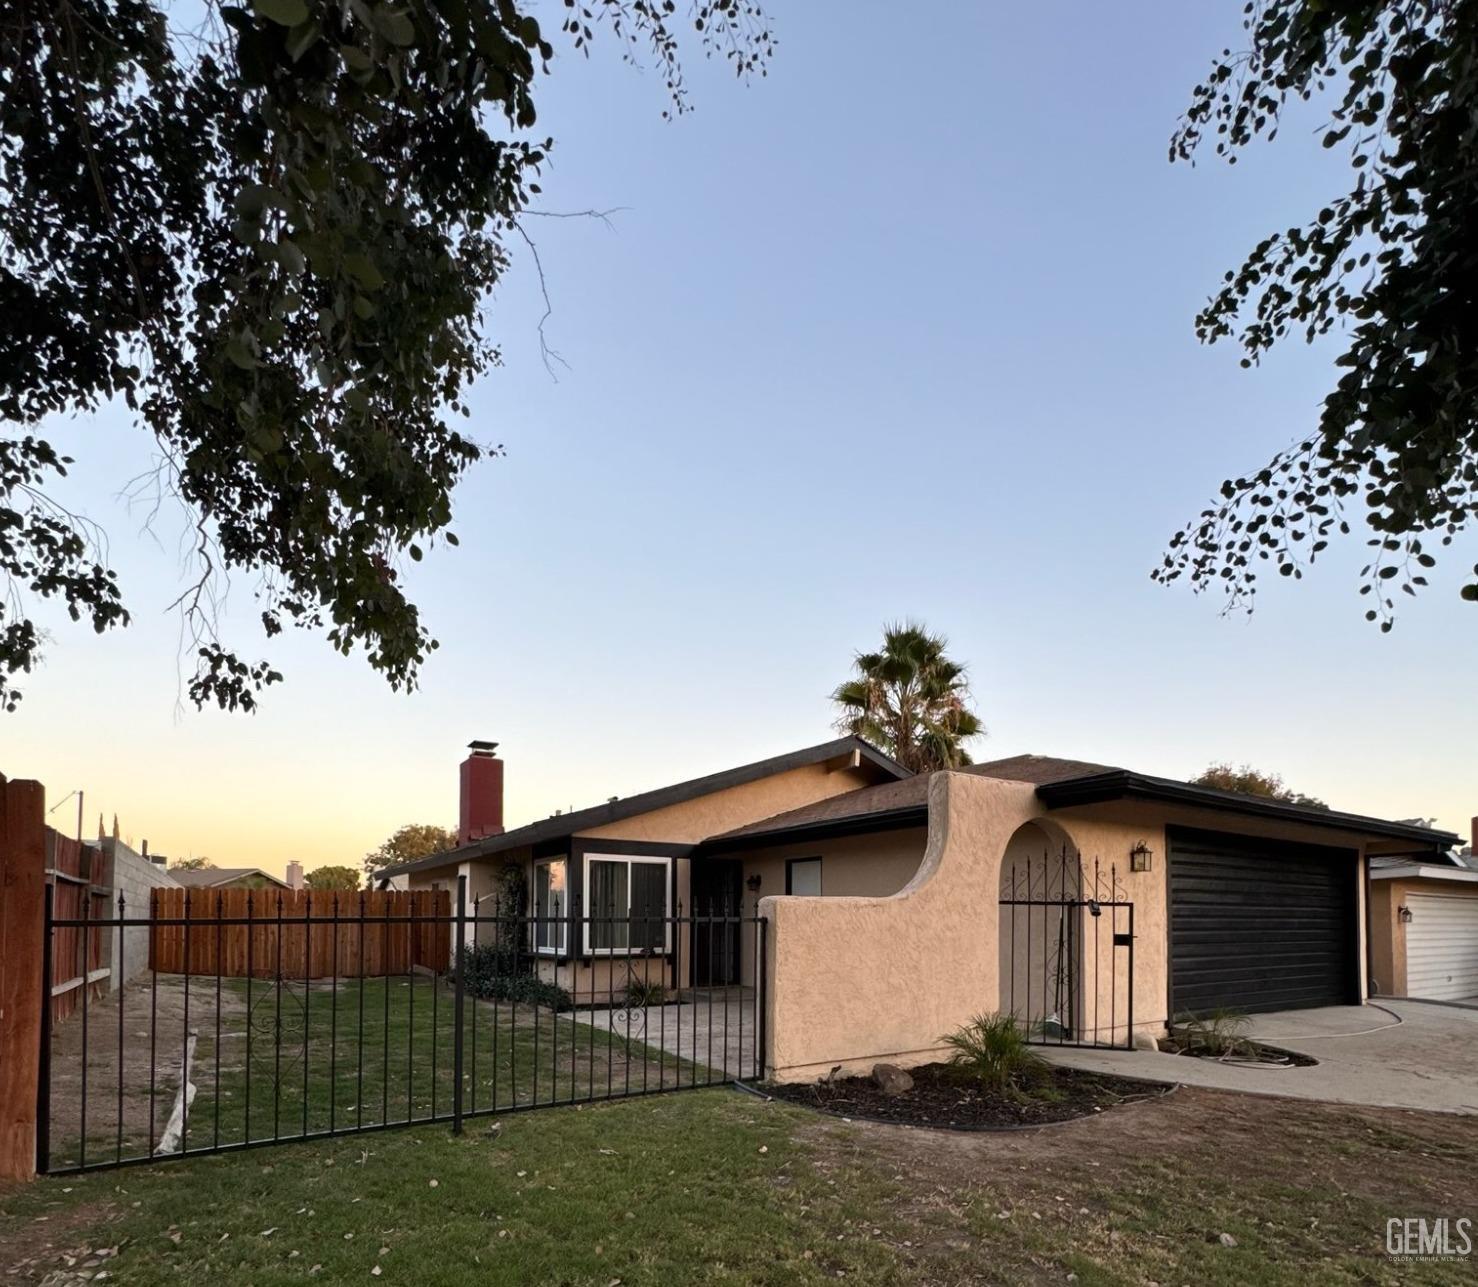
(1060,782)
(567,824)
(210,877)
(912,794)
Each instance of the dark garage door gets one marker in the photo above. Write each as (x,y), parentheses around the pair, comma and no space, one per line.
(1260,925)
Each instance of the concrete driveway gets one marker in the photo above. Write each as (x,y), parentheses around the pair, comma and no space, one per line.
(1395,1054)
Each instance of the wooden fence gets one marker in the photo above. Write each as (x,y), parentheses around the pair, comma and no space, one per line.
(300,937)
(82,888)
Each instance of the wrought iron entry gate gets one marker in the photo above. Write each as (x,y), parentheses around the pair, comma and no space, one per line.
(265,1017)
(1066,961)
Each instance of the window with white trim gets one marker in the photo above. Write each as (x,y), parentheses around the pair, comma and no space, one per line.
(627,904)
(551,905)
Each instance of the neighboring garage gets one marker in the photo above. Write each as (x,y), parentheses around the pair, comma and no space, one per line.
(1442,947)
(1259,925)
(1424,931)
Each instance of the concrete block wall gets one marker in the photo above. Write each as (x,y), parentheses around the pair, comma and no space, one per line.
(134,876)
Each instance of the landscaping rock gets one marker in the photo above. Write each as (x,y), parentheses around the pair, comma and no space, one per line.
(1226,1240)
(891,1079)
(1146,1041)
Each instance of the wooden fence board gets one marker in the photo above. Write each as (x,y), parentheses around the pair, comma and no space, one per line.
(79,890)
(22,920)
(295,933)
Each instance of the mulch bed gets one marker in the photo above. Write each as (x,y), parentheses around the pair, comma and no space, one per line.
(1257,1053)
(943,1097)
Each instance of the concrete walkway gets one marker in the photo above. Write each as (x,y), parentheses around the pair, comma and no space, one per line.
(1393,1054)
(713,1028)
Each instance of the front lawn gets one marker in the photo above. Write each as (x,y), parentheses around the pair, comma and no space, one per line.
(282,1060)
(718,1186)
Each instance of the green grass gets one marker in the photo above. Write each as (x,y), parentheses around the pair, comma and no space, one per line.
(715,1186)
(708,1184)
(299,1061)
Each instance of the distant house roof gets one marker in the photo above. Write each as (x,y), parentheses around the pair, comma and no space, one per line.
(567,824)
(214,877)
(1061,783)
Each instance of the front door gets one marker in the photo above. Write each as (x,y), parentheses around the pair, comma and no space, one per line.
(718,888)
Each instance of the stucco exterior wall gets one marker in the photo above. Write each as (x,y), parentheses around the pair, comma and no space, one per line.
(720,811)
(872,866)
(855,980)
(1387,938)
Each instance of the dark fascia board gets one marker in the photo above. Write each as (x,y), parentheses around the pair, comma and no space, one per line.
(1121,784)
(600,815)
(857,824)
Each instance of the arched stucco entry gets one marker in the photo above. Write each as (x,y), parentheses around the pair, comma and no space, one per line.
(1039,930)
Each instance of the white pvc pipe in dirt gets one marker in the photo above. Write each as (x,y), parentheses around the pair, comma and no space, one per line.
(174,1129)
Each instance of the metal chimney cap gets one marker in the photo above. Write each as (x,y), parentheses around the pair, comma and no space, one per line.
(482,748)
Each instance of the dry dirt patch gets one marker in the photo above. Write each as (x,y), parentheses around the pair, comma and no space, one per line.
(1144,1193)
(140,1054)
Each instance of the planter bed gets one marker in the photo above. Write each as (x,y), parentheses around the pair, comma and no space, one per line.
(1255,1055)
(943,1097)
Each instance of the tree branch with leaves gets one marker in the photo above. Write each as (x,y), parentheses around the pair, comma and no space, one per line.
(1392,264)
(272,238)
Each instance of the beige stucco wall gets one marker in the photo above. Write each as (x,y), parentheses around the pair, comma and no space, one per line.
(1387,938)
(855,980)
(872,866)
(720,811)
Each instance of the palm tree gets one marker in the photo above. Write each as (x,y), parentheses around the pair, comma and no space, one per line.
(910,700)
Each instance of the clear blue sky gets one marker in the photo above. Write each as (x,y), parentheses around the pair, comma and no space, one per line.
(902,330)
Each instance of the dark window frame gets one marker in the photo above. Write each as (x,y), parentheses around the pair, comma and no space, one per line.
(820,874)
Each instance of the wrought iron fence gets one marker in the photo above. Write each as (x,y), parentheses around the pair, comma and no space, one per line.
(266,1019)
(1066,963)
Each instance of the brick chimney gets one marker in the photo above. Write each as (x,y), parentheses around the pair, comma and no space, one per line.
(481,813)
(295,874)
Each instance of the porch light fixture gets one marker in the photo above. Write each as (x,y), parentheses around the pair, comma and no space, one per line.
(753,883)
(1405,914)
(1139,857)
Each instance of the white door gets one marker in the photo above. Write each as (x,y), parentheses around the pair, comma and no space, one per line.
(1442,947)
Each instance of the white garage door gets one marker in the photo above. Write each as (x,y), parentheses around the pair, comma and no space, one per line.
(1442,947)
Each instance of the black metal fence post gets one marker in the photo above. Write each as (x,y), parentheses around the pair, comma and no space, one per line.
(1129,998)
(457,1005)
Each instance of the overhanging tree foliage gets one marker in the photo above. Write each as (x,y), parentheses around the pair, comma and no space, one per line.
(412,841)
(1393,263)
(1246,780)
(271,235)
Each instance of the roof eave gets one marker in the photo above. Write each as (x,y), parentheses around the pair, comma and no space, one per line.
(1099,788)
(856,824)
(601,815)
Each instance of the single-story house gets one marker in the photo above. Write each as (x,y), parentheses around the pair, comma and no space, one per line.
(1424,927)
(897,904)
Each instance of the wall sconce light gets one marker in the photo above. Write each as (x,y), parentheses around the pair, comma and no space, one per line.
(1405,914)
(1139,857)
(753,883)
